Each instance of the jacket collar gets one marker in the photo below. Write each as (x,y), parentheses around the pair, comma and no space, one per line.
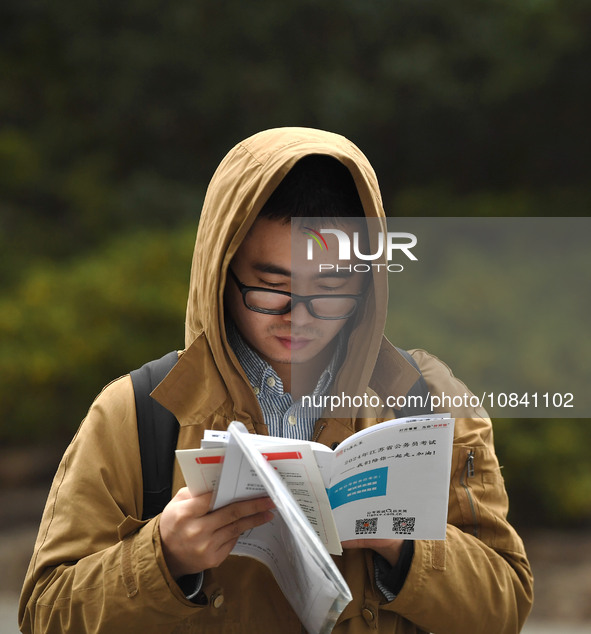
(194,388)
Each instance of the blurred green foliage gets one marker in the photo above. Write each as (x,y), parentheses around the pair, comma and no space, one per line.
(504,301)
(113,116)
(69,328)
(547,469)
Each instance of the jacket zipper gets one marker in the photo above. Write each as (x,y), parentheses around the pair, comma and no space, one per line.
(318,432)
(469,473)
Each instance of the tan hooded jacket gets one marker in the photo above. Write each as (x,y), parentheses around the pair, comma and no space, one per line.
(97,568)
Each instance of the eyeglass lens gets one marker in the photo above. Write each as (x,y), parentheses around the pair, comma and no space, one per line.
(323,307)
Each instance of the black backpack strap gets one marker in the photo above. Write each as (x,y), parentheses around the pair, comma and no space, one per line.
(420,405)
(157,432)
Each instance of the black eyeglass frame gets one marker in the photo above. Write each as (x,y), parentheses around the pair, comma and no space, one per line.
(295,300)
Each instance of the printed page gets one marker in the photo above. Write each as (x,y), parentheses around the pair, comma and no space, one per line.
(392,480)
(201,468)
(289,546)
(295,464)
(323,454)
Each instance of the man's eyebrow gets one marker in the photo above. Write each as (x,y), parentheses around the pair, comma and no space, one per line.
(275,269)
(269,267)
(338,274)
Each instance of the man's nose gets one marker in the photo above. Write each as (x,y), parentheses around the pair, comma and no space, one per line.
(299,314)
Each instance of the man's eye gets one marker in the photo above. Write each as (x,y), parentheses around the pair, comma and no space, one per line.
(272,284)
(332,288)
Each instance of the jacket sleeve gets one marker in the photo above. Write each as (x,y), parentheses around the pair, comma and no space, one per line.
(479,578)
(95,568)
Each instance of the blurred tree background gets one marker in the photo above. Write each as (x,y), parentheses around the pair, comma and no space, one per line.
(113,117)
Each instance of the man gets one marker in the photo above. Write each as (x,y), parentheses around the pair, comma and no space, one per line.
(262,329)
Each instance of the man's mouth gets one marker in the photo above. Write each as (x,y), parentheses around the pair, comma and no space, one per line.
(293,343)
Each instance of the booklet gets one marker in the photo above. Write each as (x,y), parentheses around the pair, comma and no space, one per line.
(388,481)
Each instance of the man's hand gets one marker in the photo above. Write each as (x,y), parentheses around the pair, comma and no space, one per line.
(389,549)
(194,539)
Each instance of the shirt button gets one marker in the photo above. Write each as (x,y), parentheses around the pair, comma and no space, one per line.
(291,419)
(217,600)
(256,391)
(271,382)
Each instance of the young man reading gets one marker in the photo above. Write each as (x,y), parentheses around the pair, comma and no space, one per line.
(262,330)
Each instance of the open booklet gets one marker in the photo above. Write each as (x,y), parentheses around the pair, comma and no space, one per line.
(388,481)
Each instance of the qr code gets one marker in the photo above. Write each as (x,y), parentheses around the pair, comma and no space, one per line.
(367,526)
(403,525)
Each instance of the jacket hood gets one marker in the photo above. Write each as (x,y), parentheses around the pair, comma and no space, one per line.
(241,185)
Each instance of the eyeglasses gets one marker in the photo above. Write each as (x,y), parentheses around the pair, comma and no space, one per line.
(271,302)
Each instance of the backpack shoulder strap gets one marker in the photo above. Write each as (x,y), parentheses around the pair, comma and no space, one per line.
(157,433)
(421,404)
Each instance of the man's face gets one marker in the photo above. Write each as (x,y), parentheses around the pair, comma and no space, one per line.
(265,260)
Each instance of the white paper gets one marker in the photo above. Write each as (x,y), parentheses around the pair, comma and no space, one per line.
(322,453)
(290,547)
(202,468)
(393,481)
(295,464)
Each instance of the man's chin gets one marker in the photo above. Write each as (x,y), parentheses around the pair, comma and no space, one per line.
(293,357)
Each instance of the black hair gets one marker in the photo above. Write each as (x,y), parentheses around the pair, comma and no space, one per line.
(316,186)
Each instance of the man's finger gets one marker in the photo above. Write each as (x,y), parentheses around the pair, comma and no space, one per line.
(229,534)
(238,510)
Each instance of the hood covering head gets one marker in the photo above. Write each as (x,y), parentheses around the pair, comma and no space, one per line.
(241,185)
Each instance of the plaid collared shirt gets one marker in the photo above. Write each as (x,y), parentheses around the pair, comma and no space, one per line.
(283,416)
